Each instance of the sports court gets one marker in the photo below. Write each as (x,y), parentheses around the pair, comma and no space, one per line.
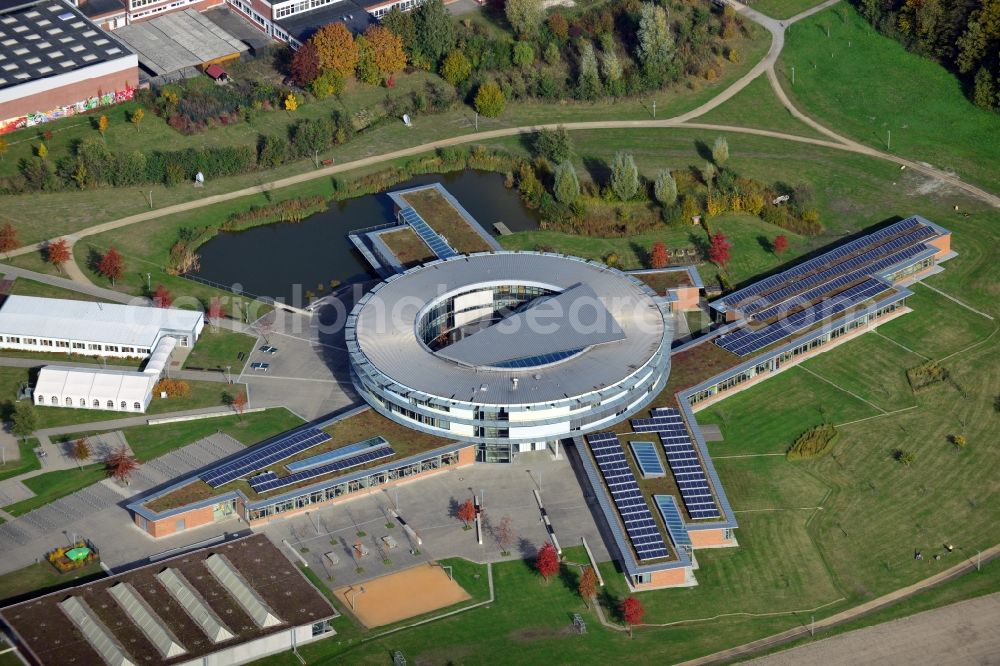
(395,597)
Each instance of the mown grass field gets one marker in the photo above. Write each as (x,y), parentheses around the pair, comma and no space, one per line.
(865,85)
(782,9)
(217,348)
(757,106)
(27,462)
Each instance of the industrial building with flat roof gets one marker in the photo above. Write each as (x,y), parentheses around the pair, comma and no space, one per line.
(232,603)
(54,62)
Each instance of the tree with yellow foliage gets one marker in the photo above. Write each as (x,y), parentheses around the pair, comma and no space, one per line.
(137,117)
(387,49)
(336,49)
(291,103)
(102,125)
(42,151)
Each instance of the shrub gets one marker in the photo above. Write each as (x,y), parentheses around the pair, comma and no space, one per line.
(958,441)
(490,100)
(813,443)
(174,388)
(927,374)
(271,151)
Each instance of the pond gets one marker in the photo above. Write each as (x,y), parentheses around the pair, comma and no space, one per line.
(287,259)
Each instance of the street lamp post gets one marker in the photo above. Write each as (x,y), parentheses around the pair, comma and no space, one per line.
(149,286)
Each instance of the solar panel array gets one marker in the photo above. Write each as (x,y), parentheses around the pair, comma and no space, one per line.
(683,461)
(871,240)
(434,240)
(263,483)
(671,515)
(647,460)
(870,263)
(262,456)
(635,514)
(838,283)
(746,341)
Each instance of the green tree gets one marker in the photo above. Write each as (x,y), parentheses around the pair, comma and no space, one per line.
(589,84)
(367,69)
(524,55)
(401,24)
(328,83)
(435,30)
(656,43)
(490,100)
(310,136)
(525,16)
(984,92)
(456,67)
(551,54)
(554,145)
(566,187)
(611,69)
(271,151)
(24,420)
(665,188)
(720,151)
(624,176)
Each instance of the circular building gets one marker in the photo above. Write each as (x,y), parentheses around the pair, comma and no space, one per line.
(511,349)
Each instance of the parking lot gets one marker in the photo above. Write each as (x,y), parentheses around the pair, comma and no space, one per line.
(428,506)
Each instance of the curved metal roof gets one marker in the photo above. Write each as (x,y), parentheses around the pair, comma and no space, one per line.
(383,325)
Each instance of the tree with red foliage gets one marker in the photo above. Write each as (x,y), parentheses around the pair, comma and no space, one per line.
(8,238)
(632,612)
(718,250)
(658,257)
(240,403)
(779,244)
(162,297)
(587,586)
(466,512)
(111,266)
(120,464)
(547,561)
(58,253)
(305,65)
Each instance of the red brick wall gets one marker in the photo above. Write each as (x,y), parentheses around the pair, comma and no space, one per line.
(70,94)
(665,578)
(168,526)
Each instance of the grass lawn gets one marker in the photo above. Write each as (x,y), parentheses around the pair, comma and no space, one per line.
(51,486)
(218,348)
(442,217)
(767,418)
(769,483)
(757,106)
(25,287)
(150,442)
(41,577)
(866,85)
(407,246)
(881,379)
(782,9)
(28,461)
(925,333)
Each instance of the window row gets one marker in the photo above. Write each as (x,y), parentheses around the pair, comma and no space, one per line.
(96,404)
(67,344)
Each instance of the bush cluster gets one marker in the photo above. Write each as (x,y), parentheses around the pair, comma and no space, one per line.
(813,443)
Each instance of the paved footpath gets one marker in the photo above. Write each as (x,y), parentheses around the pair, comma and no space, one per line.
(964,633)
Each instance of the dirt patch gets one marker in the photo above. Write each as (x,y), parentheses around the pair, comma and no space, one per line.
(420,589)
(531,634)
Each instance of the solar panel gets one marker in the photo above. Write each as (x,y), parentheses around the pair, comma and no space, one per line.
(262,483)
(683,461)
(647,542)
(264,455)
(910,226)
(194,605)
(672,519)
(647,460)
(868,263)
(438,245)
(746,341)
(224,572)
